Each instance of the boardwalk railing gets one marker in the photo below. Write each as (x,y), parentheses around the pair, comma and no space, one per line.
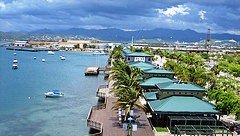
(95,124)
(101,94)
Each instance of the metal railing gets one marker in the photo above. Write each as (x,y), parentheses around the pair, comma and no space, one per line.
(101,94)
(95,124)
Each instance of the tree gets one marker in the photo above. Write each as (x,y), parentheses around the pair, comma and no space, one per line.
(76,46)
(85,46)
(126,86)
(116,53)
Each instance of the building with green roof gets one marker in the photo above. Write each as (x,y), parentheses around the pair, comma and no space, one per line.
(150,96)
(151,82)
(130,56)
(182,105)
(179,106)
(142,65)
(167,89)
(157,72)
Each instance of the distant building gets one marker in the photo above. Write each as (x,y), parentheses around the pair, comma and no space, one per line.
(136,56)
(21,43)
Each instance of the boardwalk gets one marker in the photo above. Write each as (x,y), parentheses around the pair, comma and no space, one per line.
(109,118)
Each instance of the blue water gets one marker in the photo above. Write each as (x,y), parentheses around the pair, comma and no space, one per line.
(24,111)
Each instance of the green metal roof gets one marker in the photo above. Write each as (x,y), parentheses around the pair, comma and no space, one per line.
(150,95)
(142,65)
(127,51)
(182,104)
(155,80)
(158,71)
(138,54)
(179,86)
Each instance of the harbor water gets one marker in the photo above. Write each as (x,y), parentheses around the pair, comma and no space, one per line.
(24,110)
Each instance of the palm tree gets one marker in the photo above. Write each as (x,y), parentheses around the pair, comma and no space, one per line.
(126,86)
(116,53)
(127,100)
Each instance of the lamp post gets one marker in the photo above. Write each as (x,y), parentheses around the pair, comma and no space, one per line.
(129,126)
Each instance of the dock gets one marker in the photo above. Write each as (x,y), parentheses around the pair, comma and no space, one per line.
(102,118)
(92,71)
(30,49)
(104,121)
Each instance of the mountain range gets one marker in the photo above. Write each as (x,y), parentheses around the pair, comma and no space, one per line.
(113,34)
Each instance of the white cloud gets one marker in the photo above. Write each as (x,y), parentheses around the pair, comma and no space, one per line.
(236,32)
(2,5)
(201,14)
(179,9)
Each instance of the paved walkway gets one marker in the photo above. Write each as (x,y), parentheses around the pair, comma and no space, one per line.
(111,127)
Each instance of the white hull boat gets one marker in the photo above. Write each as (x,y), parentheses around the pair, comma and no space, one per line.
(54,93)
(15,66)
(99,53)
(62,57)
(51,53)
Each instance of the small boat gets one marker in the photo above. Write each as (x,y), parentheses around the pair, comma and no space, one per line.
(99,53)
(34,57)
(62,57)
(14,66)
(14,53)
(15,61)
(43,60)
(51,53)
(54,93)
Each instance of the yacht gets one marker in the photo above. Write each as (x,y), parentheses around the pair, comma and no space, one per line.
(99,53)
(54,93)
(15,64)
(34,57)
(43,60)
(62,57)
(15,61)
(51,53)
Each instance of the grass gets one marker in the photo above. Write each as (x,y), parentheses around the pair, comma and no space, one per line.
(161,129)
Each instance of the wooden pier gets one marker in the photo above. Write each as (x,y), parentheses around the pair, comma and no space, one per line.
(92,71)
(105,120)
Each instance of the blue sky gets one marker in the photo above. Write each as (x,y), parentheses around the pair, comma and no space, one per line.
(221,16)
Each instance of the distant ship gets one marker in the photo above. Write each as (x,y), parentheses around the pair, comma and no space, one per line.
(51,53)
(15,64)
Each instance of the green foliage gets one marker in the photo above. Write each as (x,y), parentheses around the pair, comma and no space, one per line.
(161,129)
(224,93)
(126,86)
(85,46)
(230,63)
(92,46)
(116,53)
(76,46)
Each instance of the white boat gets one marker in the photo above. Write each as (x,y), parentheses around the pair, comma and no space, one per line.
(51,53)
(43,60)
(14,53)
(54,93)
(34,57)
(62,57)
(14,66)
(15,61)
(99,53)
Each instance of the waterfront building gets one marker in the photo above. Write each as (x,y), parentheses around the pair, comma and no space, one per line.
(21,43)
(130,56)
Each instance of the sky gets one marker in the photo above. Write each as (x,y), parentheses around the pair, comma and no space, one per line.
(221,16)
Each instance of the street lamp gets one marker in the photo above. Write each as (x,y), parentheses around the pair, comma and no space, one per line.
(130,126)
